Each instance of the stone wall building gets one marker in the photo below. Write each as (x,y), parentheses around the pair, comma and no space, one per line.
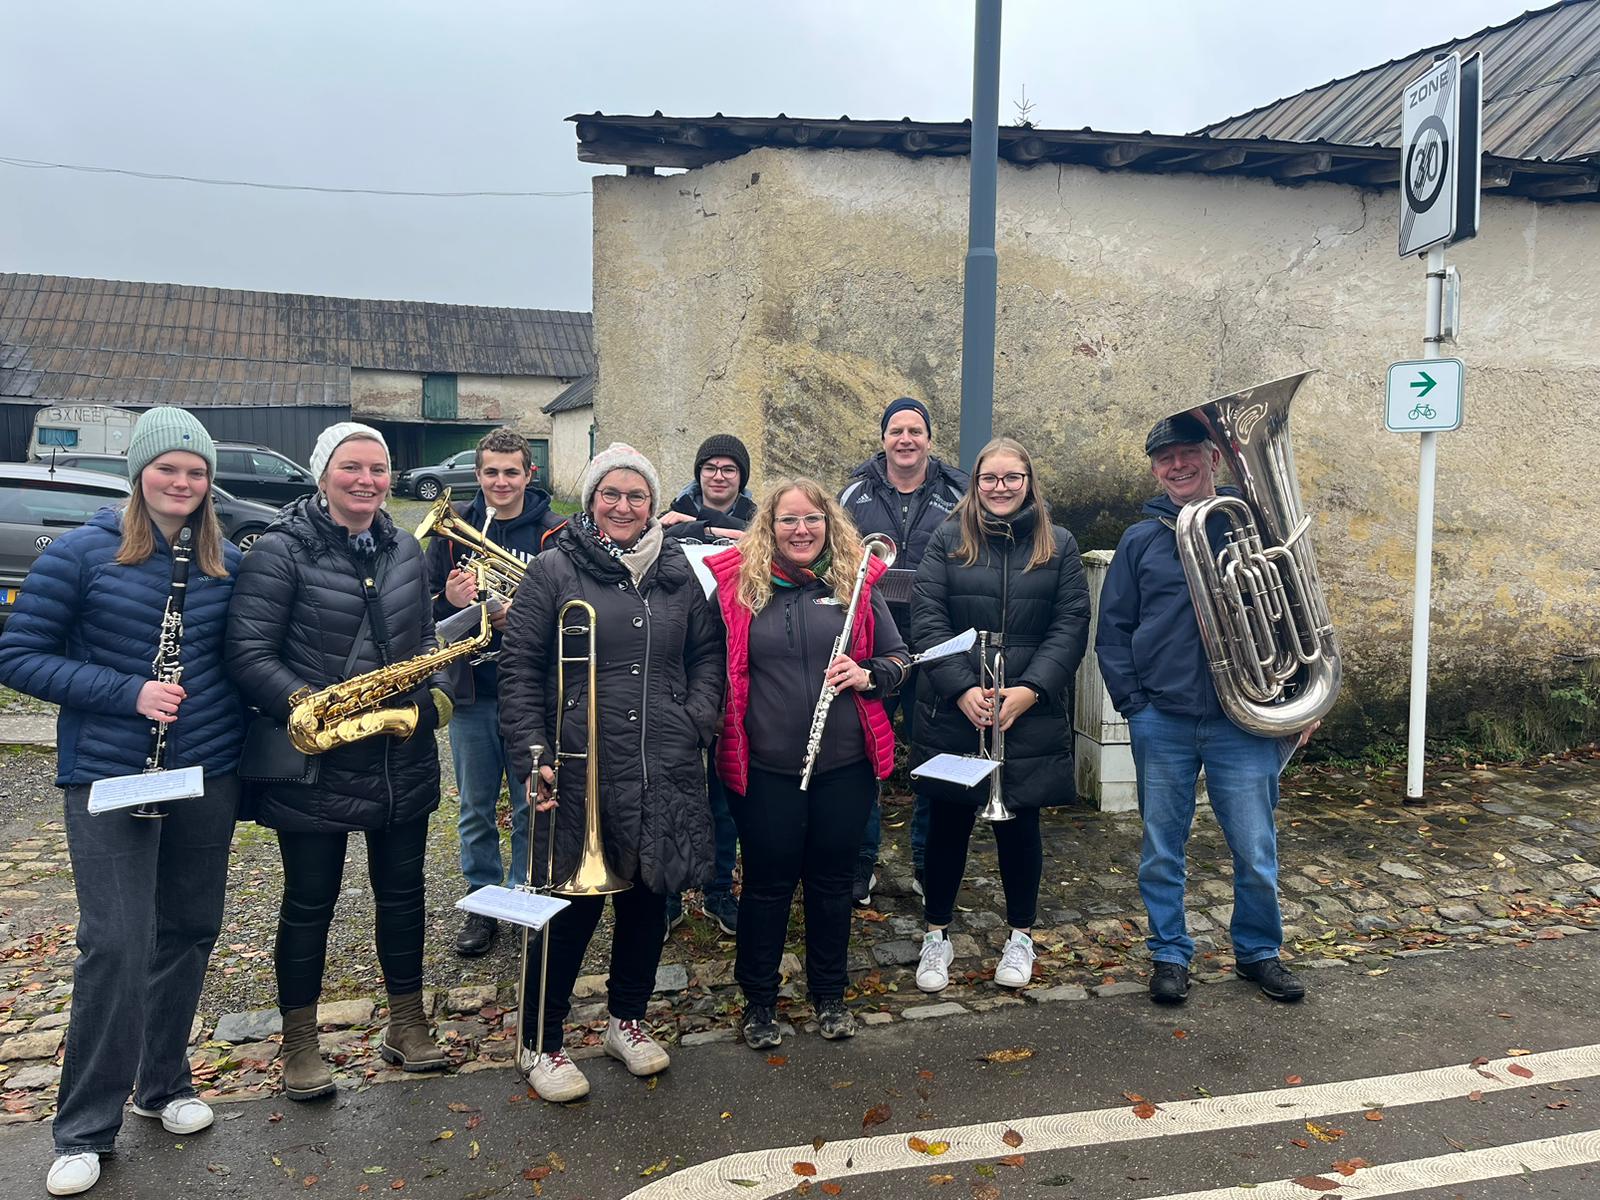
(799,274)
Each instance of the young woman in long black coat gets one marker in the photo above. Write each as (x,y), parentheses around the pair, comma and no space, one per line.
(998,565)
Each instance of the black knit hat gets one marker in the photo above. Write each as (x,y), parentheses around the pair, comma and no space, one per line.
(724,445)
(901,405)
(1181,429)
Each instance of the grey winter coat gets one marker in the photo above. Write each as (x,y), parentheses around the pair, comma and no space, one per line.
(660,676)
(297,605)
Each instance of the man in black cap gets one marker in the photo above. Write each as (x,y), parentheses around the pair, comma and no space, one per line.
(905,492)
(716,506)
(1155,668)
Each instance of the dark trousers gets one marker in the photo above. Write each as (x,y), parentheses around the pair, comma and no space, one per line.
(791,837)
(1021,860)
(313,869)
(635,955)
(150,896)
(905,703)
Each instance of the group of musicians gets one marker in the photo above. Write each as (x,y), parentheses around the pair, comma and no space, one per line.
(716,733)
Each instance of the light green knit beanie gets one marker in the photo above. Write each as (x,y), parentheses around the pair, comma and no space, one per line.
(164,429)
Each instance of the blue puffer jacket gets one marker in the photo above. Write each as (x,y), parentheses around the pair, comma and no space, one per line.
(1147,640)
(83,635)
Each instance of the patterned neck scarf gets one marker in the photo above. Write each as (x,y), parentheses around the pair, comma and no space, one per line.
(601,538)
(786,573)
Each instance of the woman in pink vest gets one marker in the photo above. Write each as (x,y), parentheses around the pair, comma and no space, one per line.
(783,591)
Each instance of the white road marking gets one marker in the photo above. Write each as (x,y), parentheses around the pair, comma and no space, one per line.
(1391,1179)
(753,1175)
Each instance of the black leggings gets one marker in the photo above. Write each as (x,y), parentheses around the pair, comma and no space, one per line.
(1021,861)
(636,943)
(788,837)
(313,868)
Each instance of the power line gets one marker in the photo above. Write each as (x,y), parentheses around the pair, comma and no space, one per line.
(40,165)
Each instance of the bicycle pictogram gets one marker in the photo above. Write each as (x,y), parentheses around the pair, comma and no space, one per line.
(1421,412)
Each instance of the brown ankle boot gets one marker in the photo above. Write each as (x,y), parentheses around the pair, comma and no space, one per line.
(407,1043)
(305,1075)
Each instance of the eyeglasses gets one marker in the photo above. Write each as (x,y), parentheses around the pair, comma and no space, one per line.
(634,499)
(1012,481)
(730,470)
(810,521)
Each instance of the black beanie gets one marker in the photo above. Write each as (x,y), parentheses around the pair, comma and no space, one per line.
(900,405)
(724,445)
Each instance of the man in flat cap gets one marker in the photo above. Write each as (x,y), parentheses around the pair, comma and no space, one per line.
(1154,664)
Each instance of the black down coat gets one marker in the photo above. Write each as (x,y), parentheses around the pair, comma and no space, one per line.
(1044,615)
(661,669)
(296,606)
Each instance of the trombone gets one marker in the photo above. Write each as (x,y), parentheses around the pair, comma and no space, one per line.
(992,742)
(593,876)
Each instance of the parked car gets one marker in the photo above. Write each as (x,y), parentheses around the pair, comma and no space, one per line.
(38,505)
(243,521)
(261,473)
(425,483)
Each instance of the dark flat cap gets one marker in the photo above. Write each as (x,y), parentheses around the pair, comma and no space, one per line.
(1181,429)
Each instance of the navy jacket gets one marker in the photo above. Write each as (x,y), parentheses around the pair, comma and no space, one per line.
(1148,641)
(83,635)
(691,502)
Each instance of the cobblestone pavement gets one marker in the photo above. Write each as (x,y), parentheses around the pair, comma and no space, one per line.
(1499,855)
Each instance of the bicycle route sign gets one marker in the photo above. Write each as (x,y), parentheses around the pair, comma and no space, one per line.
(1424,396)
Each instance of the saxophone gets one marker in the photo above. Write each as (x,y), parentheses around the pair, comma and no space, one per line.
(353,710)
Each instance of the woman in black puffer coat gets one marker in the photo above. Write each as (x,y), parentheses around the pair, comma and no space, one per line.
(659,680)
(332,590)
(999,565)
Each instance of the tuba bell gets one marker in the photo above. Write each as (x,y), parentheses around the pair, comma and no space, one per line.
(1263,618)
(499,570)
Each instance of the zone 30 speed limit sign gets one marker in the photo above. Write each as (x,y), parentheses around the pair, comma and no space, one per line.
(1440,117)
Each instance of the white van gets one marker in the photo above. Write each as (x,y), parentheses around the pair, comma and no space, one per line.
(85,428)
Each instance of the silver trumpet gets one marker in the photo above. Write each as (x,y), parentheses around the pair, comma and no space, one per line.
(1263,618)
(876,545)
(992,742)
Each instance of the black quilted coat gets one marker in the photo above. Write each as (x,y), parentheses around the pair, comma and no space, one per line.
(296,606)
(661,671)
(1044,614)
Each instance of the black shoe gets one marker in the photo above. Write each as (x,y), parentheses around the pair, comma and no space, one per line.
(1274,979)
(476,936)
(723,908)
(761,1030)
(866,879)
(834,1021)
(674,917)
(1170,983)
(918,882)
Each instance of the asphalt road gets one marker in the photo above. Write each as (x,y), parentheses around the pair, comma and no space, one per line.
(1072,1102)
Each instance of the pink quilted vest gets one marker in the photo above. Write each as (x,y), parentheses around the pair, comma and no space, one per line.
(733,746)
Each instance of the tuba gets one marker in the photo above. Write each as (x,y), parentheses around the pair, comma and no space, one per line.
(499,570)
(1263,618)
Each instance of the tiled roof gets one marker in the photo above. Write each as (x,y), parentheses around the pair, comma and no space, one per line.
(151,343)
(1541,96)
(578,394)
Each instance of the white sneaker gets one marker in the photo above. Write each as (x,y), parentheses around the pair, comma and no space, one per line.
(628,1042)
(188,1115)
(73,1173)
(933,969)
(1015,968)
(556,1078)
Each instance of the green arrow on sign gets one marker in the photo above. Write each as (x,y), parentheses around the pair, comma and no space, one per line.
(1427,383)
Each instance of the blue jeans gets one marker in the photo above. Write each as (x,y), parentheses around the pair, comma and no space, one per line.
(727,833)
(481,764)
(1242,781)
(872,835)
(150,897)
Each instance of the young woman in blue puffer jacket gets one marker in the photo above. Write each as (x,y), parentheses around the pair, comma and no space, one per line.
(84,635)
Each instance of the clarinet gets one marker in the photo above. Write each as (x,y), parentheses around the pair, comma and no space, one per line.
(166,666)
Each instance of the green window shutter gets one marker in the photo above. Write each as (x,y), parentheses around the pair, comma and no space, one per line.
(439,397)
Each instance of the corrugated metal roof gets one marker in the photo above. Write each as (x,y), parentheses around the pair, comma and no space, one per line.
(1541,92)
(146,343)
(578,394)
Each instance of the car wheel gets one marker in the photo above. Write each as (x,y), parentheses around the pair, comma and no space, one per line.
(427,489)
(246,538)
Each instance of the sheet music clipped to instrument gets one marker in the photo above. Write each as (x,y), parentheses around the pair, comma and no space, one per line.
(147,787)
(513,905)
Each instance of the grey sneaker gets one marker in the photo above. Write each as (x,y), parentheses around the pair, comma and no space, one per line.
(834,1021)
(760,1025)
(723,908)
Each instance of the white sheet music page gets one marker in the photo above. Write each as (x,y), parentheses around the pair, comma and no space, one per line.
(151,787)
(697,556)
(963,769)
(513,905)
(956,645)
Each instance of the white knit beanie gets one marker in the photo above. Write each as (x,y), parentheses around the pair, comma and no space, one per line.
(331,438)
(619,456)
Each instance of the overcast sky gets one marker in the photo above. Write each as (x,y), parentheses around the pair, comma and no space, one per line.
(472,94)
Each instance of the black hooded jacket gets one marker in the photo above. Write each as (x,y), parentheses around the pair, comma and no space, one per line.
(691,502)
(1044,615)
(660,672)
(297,606)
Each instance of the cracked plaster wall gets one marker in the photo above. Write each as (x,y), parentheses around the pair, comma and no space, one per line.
(785,295)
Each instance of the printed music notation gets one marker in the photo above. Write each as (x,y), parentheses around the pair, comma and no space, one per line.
(513,905)
(148,787)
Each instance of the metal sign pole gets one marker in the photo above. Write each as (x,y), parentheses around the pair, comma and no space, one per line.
(1422,594)
(982,274)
